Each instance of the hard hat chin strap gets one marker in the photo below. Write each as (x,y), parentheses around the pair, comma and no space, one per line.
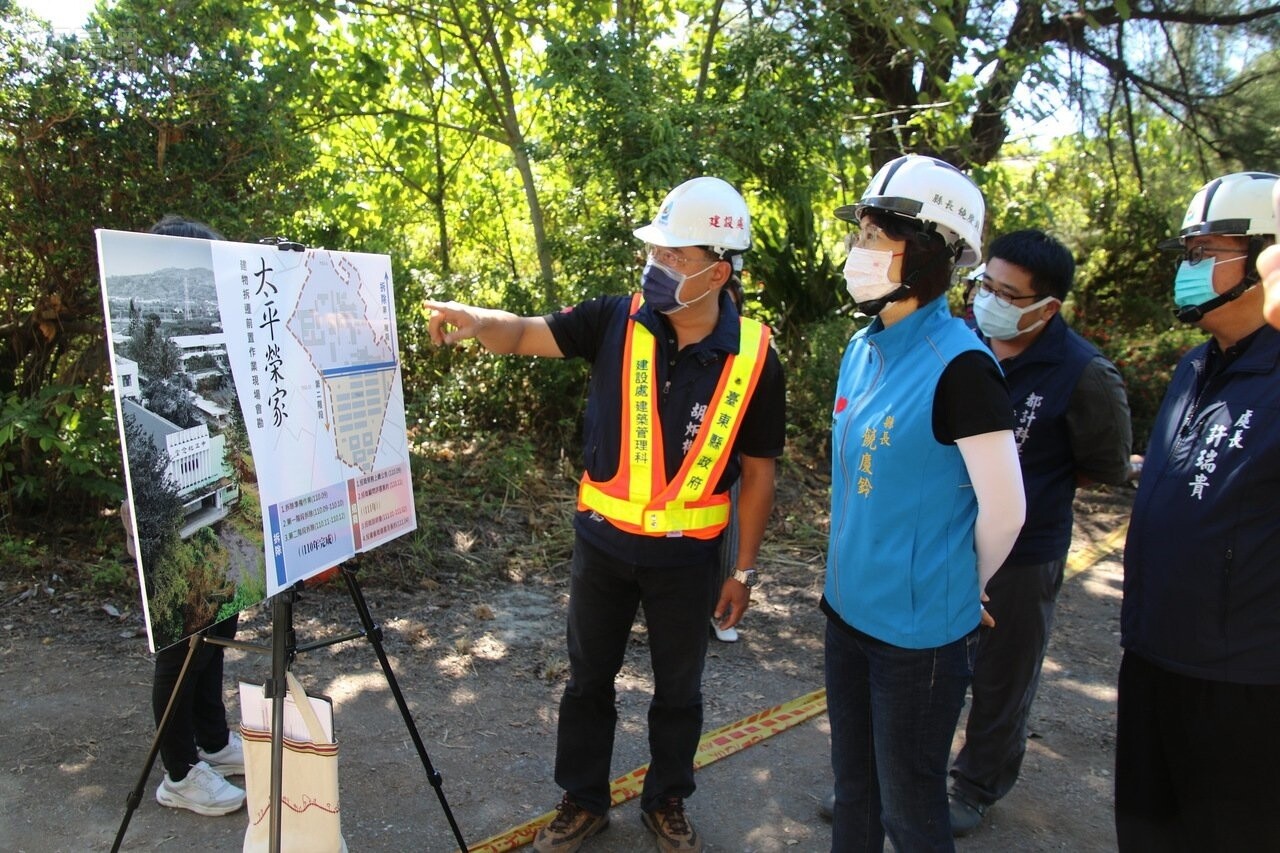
(1195,313)
(873,307)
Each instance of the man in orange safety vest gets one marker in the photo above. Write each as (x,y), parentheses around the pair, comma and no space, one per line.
(686,397)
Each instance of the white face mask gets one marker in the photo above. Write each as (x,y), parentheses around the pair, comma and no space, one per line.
(999,321)
(866,274)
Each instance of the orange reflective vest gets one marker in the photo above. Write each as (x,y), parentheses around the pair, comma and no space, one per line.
(638,499)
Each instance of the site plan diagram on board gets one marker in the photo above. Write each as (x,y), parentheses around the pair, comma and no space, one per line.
(312,344)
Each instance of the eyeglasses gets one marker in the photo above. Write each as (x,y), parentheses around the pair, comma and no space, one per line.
(1196,254)
(676,259)
(1007,299)
(866,237)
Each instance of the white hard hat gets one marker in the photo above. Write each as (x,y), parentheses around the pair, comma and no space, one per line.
(930,191)
(701,212)
(1235,204)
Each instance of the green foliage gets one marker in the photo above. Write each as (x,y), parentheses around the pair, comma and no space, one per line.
(160,107)
(1250,128)
(189,582)
(461,392)
(502,154)
(1147,366)
(473,393)
(794,278)
(249,591)
(1123,280)
(1017,197)
(811,383)
(605,86)
(1113,215)
(58,448)
(248,514)
(20,555)
(110,575)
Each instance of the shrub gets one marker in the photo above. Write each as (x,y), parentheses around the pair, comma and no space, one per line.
(812,369)
(59,451)
(1146,361)
(463,392)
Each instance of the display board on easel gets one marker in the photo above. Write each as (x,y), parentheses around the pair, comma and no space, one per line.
(261,410)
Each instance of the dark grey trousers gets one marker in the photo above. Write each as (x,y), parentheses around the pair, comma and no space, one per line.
(1005,677)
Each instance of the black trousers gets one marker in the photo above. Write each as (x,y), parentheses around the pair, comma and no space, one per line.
(604,596)
(1006,676)
(1197,762)
(199,717)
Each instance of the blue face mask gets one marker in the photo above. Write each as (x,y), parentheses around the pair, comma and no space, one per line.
(1193,285)
(661,286)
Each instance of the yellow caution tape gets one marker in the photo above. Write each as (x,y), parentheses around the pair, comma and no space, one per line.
(1086,557)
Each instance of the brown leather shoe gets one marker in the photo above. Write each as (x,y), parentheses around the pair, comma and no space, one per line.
(571,826)
(672,827)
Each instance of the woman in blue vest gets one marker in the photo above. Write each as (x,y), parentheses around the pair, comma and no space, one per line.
(926,503)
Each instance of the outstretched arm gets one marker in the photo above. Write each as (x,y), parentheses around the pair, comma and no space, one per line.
(497,331)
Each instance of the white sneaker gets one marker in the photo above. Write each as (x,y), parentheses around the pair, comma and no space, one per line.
(724,635)
(228,761)
(202,791)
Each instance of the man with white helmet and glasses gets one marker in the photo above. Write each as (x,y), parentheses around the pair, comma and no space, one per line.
(1197,739)
(1072,427)
(926,503)
(686,397)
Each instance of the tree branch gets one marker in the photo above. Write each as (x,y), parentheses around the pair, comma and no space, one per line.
(1065,28)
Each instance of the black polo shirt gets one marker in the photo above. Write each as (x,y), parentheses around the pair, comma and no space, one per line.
(686,379)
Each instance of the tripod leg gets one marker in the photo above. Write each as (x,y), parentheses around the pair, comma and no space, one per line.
(135,796)
(283,645)
(374,634)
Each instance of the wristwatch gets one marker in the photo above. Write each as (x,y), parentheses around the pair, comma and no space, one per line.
(747,577)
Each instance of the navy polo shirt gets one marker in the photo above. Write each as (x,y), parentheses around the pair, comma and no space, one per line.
(686,380)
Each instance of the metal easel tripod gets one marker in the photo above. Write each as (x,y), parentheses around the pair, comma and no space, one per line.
(283,649)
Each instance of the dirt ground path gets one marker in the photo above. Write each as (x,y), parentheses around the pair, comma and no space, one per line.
(482,669)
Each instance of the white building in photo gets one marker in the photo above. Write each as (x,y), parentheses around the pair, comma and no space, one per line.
(198,467)
(190,346)
(127,370)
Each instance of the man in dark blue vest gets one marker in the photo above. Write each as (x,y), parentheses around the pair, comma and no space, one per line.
(1072,427)
(1197,740)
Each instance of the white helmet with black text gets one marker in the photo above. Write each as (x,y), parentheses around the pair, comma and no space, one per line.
(932,192)
(701,212)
